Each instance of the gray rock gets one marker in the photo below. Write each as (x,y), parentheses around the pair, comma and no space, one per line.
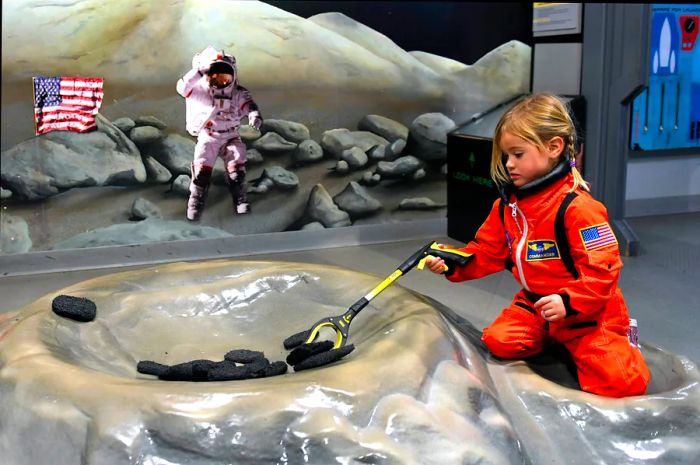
(147,231)
(5,194)
(320,207)
(181,185)
(307,151)
(175,152)
(378,152)
(399,168)
(419,203)
(428,136)
(248,133)
(355,157)
(254,157)
(313,226)
(156,172)
(142,135)
(393,150)
(120,139)
(273,142)
(60,160)
(370,179)
(124,124)
(289,130)
(342,167)
(263,185)
(14,234)
(335,141)
(281,177)
(418,174)
(355,200)
(142,209)
(150,121)
(387,128)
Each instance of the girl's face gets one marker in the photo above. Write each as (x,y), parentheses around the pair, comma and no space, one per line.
(525,161)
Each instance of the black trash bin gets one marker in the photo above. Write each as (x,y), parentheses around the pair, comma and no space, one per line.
(470,190)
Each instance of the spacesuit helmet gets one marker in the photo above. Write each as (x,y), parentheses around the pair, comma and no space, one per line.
(221,74)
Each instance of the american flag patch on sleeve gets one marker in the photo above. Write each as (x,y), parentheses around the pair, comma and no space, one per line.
(595,237)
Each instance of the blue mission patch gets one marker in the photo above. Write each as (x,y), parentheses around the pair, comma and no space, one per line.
(541,250)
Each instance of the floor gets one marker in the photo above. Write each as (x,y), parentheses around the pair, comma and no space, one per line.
(661,284)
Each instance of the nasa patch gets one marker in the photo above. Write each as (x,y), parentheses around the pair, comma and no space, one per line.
(541,250)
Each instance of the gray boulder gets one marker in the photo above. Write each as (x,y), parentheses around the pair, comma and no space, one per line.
(355,200)
(428,136)
(419,203)
(320,207)
(142,209)
(156,172)
(307,151)
(342,167)
(355,157)
(399,168)
(175,152)
(150,121)
(147,231)
(5,194)
(387,128)
(393,150)
(262,186)
(254,157)
(14,234)
(370,179)
(248,133)
(418,174)
(124,124)
(60,160)
(142,135)
(272,143)
(289,130)
(281,177)
(335,141)
(378,152)
(181,185)
(313,226)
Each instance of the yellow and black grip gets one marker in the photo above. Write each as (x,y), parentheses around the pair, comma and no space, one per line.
(452,257)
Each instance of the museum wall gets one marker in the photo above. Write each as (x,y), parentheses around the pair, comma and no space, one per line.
(357,102)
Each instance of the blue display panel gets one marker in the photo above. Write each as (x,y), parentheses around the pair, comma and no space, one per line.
(666,114)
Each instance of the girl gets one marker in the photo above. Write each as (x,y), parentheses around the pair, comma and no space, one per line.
(568,267)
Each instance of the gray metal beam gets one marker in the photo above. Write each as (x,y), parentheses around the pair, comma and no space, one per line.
(615,67)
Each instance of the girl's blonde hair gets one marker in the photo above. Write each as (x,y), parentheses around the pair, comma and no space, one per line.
(536,119)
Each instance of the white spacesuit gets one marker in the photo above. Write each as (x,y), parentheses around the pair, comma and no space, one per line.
(215,105)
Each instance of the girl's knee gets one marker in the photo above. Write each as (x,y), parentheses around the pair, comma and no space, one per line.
(502,346)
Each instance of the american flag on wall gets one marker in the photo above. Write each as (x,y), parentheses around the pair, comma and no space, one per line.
(66,103)
(598,236)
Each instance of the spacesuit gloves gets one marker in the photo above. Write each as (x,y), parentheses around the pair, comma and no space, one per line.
(255,120)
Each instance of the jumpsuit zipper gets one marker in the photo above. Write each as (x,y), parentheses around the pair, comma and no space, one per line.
(518,251)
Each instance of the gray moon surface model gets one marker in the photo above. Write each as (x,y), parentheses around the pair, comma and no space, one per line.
(418,389)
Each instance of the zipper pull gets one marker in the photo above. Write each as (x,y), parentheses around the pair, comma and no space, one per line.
(513,209)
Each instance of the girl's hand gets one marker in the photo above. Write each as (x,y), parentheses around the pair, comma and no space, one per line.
(435,264)
(551,307)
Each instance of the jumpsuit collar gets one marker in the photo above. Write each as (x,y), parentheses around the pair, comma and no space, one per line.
(531,188)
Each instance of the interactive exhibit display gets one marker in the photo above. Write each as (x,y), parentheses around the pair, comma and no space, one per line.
(666,114)
(419,388)
(193,363)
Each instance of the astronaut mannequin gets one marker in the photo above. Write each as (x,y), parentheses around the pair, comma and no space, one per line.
(215,103)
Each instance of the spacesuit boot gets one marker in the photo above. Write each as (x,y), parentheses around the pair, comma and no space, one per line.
(199,187)
(237,188)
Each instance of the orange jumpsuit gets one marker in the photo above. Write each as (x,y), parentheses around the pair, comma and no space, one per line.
(595,328)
